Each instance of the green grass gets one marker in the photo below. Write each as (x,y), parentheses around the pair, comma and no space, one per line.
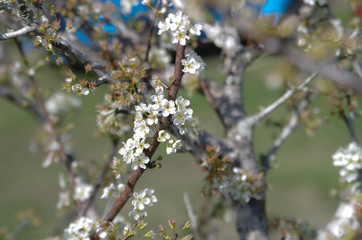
(298,187)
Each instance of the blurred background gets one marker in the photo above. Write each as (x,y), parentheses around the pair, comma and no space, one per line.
(299,185)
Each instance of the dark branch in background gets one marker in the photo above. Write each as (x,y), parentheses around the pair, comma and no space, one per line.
(348,120)
(287,130)
(67,161)
(209,91)
(341,77)
(100,181)
(65,47)
(150,34)
(163,125)
(22,103)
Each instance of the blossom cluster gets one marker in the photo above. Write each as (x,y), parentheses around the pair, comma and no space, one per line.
(61,103)
(350,161)
(180,27)
(42,41)
(126,5)
(193,63)
(64,195)
(241,186)
(113,190)
(132,150)
(313,2)
(109,120)
(83,229)
(141,199)
(82,190)
(76,87)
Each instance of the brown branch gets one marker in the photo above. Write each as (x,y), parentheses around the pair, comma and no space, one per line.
(211,99)
(100,181)
(164,123)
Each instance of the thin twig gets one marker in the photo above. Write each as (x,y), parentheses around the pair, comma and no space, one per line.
(65,47)
(100,181)
(349,121)
(287,130)
(193,218)
(210,98)
(266,111)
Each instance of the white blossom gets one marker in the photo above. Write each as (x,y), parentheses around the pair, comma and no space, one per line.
(64,200)
(140,161)
(81,229)
(158,101)
(140,146)
(180,26)
(163,136)
(126,5)
(309,2)
(350,161)
(107,191)
(190,65)
(180,37)
(152,118)
(77,88)
(196,29)
(193,63)
(169,108)
(172,147)
(182,103)
(61,103)
(141,129)
(82,190)
(141,199)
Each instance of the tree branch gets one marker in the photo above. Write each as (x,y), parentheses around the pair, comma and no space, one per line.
(266,111)
(151,30)
(67,161)
(339,76)
(211,96)
(17,33)
(65,47)
(287,130)
(164,123)
(22,102)
(191,214)
(100,182)
(348,120)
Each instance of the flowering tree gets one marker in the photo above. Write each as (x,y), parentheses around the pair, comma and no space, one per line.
(144,61)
